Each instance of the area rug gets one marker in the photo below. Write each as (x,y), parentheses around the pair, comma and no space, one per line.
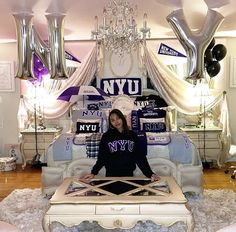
(212,210)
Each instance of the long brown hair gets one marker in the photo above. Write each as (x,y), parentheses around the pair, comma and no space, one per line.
(121,116)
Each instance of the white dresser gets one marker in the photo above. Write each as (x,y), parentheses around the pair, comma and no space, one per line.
(28,142)
(207,141)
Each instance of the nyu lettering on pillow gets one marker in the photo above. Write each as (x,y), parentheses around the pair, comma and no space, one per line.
(158,138)
(87,127)
(74,124)
(153,124)
(82,126)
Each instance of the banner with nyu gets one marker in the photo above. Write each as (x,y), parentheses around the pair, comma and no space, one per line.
(166,50)
(116,86)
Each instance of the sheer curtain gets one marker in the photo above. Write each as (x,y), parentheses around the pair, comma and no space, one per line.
(53,108)
(180,93)
(175,91)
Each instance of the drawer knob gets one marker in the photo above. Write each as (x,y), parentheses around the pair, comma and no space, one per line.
(117,223)
(117,209)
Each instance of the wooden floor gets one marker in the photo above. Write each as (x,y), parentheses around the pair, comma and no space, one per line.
(31,178)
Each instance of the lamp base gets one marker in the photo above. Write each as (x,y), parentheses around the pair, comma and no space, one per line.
(207,164)
(36,161)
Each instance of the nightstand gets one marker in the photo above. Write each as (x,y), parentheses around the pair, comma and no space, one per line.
(212,147)
(28,145)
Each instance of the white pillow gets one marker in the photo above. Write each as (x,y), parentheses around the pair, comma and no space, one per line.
(90,120)
(158,138)
(80,139)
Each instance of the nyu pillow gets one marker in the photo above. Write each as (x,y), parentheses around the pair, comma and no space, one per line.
(74,126)
(153,124)
(158,138)
(87,127)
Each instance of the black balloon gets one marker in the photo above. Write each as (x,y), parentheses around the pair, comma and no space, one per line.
(213,68)
(208,57)
(212,44)
(219,52)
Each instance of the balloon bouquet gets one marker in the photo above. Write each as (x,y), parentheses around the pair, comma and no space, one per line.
(39,70)
(212,56)
(195,42)
(34,55)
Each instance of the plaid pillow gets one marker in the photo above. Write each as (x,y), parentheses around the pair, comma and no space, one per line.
(92,145)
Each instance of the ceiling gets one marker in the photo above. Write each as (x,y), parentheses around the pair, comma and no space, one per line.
(79,20)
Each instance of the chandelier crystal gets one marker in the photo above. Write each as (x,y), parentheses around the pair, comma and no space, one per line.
(119,32)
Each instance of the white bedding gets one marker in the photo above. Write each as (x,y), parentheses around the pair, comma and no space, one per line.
(187,175)
(78,151)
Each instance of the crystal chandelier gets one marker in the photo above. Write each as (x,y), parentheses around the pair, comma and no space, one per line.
(119,32)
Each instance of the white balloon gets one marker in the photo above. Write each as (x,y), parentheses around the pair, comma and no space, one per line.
(195,42)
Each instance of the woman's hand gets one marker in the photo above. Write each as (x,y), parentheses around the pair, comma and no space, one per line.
(87,178)
(155,177)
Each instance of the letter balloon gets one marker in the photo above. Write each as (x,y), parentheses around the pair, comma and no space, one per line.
(212,44)
(58,64)
(52,56)
(25,69)
(195,42)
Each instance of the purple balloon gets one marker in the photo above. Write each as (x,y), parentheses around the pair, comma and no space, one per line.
(44,71)
(39,70)
(38,77)
(36,59)
(36,72)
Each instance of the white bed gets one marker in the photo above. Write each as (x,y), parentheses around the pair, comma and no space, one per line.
(187,174)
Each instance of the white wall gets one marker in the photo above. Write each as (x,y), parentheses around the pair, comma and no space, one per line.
(9,103)
(231,92)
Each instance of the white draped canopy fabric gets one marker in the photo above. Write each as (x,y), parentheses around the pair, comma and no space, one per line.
(53,108)
(180,93)
(175,91)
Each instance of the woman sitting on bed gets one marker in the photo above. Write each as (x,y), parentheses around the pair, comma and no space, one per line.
(119,151)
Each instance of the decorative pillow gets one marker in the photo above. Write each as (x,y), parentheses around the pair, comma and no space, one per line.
(74,124)
(87,127)
(98,120)
(93,106)
(151,113)
(158,138)
(79,139)
(153,124)
(92,145)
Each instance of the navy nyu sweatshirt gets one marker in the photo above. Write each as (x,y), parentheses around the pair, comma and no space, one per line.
(119,153)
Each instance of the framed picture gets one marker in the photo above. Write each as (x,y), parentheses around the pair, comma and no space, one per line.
(232,80)
(7,83)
